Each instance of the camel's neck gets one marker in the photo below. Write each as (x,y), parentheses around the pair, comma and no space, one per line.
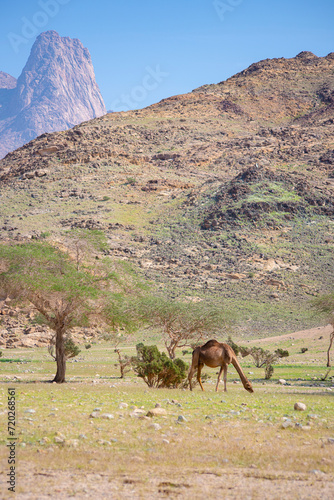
(246,383)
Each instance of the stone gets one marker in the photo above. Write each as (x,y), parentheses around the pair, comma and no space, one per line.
(156,412)
(299,406)
(156,427)
(121,406)
(287,424)
(107,416)
(181,419)
(94,414)
(281,381)
(59,440)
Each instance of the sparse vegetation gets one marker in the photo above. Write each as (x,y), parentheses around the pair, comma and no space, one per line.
(156,369)
(183,324)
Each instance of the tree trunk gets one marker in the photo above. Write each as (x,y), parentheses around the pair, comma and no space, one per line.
(331,338)
(171,348)
(60,358)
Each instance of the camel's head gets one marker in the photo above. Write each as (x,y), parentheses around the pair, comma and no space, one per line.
(248,387)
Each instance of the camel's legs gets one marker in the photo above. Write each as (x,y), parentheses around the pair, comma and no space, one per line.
(199,369)
(219,377)
(225,378)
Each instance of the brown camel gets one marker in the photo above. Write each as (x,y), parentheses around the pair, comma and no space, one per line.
(214,354)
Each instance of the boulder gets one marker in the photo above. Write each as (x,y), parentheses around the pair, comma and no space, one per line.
(299,406)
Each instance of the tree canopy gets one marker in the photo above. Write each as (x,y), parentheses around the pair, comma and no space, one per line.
(65,294)
(183,323)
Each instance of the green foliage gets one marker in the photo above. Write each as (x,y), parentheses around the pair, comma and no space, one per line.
(0,354)
(303,350)
(71,349)
(268,371)
(88,346)
(64,293)
(156,369)
(44,235)
(261,357)
(282,353)
(234,346)
(131,180)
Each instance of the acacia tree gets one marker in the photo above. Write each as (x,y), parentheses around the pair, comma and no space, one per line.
(47,278)
(325,305)
(183,323)
(81,243)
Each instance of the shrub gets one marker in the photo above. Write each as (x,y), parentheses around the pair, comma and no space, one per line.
(156,369)
(268,371)
(303,350)
(124,362)
(262,358)
(281,353)
(88,346)
(71,349)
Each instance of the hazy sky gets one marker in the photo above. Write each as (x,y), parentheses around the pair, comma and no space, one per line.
(144,51)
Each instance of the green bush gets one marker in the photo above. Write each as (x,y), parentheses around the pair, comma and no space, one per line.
(156,369)
(268,371)
(71,349)
(88,346)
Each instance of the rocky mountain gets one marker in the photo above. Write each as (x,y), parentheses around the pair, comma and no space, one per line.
(55,91)
(224,192)
(7,81)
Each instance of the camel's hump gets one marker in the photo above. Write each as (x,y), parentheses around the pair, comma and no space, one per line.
(210,343)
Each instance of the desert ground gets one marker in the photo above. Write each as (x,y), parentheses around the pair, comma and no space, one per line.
(93,436)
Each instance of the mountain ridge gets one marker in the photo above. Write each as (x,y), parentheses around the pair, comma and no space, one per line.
(154,180)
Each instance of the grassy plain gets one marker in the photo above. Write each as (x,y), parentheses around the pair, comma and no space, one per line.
(253,445)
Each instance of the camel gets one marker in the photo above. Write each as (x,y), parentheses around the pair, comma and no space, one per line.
(214,354)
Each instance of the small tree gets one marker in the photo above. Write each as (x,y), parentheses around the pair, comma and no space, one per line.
(47,278)
(325,305)
(156,369)
(82,242)
(183,324)
(261,357)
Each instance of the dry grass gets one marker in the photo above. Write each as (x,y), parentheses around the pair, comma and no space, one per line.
(235,436)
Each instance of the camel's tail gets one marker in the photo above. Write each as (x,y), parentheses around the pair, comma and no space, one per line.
(246,383)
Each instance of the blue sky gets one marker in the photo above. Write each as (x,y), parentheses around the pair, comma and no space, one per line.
(144,51)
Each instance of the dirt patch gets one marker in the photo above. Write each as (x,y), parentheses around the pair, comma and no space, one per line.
(311,334)
(188,484)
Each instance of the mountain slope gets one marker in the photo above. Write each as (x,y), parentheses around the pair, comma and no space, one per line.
(56,90)
(254,153)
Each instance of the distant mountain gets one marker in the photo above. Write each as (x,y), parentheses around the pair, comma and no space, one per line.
(55,91)
(7,81)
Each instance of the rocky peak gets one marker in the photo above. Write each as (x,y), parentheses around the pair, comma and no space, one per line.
(56,90)
(7,81)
